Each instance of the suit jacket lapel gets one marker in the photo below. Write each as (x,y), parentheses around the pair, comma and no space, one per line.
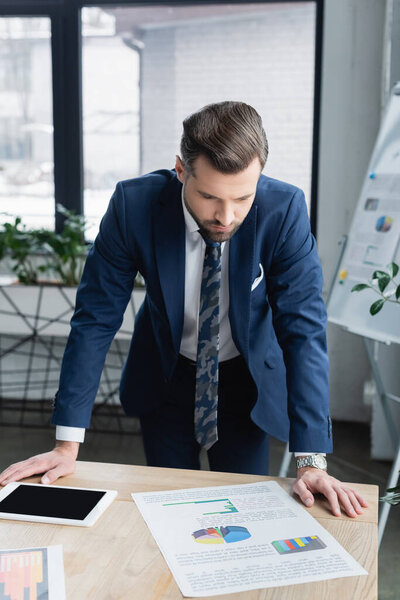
(169,241)
(241,259)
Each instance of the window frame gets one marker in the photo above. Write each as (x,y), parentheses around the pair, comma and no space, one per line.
(66,49)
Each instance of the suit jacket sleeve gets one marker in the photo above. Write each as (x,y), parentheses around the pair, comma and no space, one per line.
(102,296)
(299,319)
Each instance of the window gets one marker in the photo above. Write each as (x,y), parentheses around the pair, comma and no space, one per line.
(26,121)
(146,68)
(104,87)
(111,120)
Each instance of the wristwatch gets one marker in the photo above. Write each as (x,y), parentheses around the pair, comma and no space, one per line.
(313,460)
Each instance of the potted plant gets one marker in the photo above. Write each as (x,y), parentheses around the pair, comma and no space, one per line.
(36,309)
(35,252)
(19,246)
(48,265)
(42,259)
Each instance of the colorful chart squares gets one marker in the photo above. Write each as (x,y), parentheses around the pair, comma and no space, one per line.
(299,544)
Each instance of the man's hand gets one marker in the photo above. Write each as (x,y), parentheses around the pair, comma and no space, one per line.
(54,464)
(311,481)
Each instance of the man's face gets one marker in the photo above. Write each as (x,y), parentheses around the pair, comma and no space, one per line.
(218,202)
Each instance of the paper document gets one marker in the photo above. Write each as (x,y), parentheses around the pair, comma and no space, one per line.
(32,574)
(227,539)
(374,237)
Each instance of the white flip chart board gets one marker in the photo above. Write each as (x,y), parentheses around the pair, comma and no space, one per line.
(374,238)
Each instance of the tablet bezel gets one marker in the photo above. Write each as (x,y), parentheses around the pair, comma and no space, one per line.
(88,521)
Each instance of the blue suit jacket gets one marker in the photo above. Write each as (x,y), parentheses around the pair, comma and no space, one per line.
(279,326)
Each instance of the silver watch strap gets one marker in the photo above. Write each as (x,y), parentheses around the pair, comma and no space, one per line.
(313,460)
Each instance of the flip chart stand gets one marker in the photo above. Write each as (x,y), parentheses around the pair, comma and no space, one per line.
(372,348)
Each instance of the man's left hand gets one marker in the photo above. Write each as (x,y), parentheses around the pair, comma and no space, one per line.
(312,481)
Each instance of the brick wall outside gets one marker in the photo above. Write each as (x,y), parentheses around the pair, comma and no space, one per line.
(265,59)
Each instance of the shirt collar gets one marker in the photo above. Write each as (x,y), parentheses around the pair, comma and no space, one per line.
(191,224)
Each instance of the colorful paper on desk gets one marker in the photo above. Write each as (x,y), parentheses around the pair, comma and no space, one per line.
(32,573)
(227,539)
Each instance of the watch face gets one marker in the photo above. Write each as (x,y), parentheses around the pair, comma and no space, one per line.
(320,462)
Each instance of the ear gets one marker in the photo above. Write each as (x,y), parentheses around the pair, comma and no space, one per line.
(180,169)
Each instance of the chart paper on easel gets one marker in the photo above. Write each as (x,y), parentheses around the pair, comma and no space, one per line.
(373,240)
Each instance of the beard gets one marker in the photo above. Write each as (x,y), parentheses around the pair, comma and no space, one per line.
(211,234)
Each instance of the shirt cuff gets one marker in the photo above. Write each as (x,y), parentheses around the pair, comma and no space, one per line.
(308,453)
(70,434)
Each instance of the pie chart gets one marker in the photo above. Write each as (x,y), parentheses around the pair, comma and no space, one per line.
(384,224)
(221,535)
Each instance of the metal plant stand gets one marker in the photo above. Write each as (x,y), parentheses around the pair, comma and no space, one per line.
(34,325)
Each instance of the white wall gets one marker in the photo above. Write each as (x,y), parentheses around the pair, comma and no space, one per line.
(351,111)
(350,116)
(395,44)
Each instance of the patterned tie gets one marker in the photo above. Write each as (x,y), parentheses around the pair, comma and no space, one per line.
(205,411)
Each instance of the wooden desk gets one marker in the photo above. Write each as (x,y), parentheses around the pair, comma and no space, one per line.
(118,559)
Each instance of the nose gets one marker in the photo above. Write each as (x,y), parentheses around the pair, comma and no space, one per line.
(225,214)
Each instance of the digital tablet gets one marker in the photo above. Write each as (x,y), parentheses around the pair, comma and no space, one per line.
(53,504)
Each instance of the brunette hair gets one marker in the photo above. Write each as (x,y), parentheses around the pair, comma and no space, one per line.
(230,134)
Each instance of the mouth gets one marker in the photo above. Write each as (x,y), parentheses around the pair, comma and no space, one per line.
(221,229)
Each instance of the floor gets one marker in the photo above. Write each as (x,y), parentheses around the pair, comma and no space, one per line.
(350,462)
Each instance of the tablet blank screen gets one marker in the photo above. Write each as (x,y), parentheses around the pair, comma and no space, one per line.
(62,503)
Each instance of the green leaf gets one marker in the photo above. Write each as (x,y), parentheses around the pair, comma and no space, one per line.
(397,292)
(391,498)
(383,282)
(376,307)
(393,269)
(379,274)
(394,489)
(359,287)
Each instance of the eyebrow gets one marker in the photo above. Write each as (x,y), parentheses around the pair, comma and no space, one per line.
(217,198)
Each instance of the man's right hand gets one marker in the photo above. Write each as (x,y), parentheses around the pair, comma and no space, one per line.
(53,464)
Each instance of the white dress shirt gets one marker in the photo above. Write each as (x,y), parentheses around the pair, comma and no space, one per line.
(195,249)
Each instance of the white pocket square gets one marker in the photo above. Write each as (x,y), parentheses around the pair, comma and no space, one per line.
(258,279)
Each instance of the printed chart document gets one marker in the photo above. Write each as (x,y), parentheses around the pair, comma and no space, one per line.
(32,574)
(374,240)
(226,539)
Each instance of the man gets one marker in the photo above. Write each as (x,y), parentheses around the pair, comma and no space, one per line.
(229,345)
